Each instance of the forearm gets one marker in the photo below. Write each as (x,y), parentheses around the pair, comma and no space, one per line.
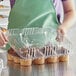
(69,19)
(69,14)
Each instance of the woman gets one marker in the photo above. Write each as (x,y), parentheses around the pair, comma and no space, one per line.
(65,7)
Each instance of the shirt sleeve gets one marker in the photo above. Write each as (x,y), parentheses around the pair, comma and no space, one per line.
(12,2)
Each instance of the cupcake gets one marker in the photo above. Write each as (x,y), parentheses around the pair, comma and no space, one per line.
(26,60)
(1,16)
(51,56)
(1,6)
(38,57)
(10,57)
(52,59)
(10,54)
(39,61)
(16,58)
(64,57)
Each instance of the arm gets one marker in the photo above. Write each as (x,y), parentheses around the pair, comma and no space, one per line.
(69,16)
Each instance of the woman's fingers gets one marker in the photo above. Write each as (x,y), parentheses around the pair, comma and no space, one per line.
(60,35)
(3,39)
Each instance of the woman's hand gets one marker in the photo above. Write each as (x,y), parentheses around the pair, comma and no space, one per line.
(61,32)
(3,38)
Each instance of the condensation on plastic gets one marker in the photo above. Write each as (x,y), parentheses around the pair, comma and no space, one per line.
(26,43)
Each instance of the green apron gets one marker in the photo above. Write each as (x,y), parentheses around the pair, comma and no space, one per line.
(33,14)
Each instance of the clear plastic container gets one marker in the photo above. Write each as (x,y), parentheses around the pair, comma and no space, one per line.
(29,37)
(64,47)
(37,42)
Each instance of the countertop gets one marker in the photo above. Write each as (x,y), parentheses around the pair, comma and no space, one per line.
(57,69)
